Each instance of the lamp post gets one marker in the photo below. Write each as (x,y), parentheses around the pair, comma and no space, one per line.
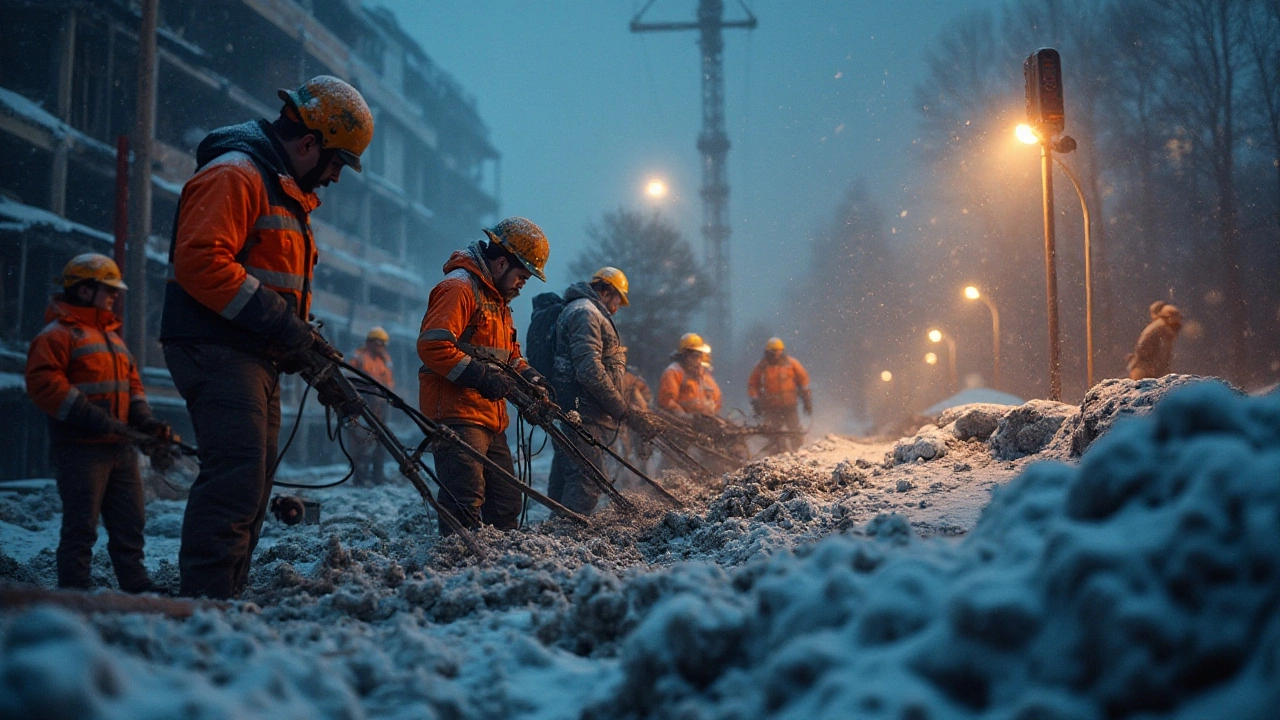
(1066,145)
(973,293)
(938,336)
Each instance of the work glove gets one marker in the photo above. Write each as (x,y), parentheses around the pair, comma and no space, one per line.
(161,431)
(541,386)
(755,406)
(494,385)
(807,401)
(646,424)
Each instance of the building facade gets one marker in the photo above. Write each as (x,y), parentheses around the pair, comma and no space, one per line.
(68,89)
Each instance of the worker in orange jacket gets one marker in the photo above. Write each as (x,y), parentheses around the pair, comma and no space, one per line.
(469,316)
(777,383)
(686,387)
(81,374)
(237,306)
(372,358)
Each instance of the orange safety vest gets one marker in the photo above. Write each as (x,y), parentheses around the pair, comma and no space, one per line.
(466,316)
(377,366)
(80,355)
(694,395)
(778,385)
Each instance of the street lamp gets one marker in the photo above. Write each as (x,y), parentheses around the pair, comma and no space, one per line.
(938,336)
(931,358)
(656,189)
(972,293)
(1066,145)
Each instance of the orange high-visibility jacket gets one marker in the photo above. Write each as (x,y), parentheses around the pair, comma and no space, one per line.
(377,366)
(465,315)
(778,384)
(79,359)
(679,392)
(243,233)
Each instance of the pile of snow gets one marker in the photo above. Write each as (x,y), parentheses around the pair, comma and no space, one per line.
(1142,581)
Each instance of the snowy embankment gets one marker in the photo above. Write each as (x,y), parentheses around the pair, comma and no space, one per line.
(1143,582)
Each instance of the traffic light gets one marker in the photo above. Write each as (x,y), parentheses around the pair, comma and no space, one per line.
(1045,109)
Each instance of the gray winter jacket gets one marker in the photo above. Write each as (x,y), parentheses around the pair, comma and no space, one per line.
(590,359)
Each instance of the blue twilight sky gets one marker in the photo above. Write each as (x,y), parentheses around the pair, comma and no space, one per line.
(584,112)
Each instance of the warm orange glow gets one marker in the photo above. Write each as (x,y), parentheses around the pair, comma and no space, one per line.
(1026,134)
(931,358)
(972,293)
(935,335)
(656,189)
(886,376)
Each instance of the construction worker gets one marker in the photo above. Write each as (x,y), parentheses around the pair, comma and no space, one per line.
(80,373)
(237,305)
(589,376)
(373,359)
(776,383)
(469,316)
(686,387)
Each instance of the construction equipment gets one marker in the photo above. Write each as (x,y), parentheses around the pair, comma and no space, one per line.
(537,408)
(321,368)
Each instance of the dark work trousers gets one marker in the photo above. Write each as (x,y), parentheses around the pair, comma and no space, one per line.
(568,483)
(93,480)
(783,418)
(234,400)
(470,493)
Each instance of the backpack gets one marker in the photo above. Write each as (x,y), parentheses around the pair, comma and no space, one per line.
(540,338)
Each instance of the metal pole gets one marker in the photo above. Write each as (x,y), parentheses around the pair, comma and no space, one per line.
(144,124)
(1088,268)
(1051,273)
(122,198)
(995,338)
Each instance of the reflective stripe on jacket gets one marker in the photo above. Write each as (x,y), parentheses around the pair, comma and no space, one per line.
(695,395)
(778,384)
(79,358)
(378,367)
(243,226)
(464,312)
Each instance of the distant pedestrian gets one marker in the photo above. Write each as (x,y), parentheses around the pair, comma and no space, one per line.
(1153,354)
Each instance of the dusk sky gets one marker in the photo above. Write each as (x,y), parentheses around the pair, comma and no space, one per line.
(584,112)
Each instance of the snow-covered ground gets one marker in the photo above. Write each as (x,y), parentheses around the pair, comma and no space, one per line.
(980,569)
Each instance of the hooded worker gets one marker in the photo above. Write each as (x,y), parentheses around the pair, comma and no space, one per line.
(469,316)
(236,308)
(83,376)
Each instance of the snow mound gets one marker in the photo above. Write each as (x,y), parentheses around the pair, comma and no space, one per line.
(1111,400)
(1145,582)
(930,443)
(975,421)
(1028,429)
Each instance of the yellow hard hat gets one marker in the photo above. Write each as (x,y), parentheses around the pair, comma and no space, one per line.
(693,341)
(92,266)
(525,240)
(774,345)
(377,333)
(337,111)
(616,279)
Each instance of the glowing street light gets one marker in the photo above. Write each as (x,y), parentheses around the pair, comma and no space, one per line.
(973,293)
(1067,144)
(938,336)
(931,358)
(886,376)
(656,189)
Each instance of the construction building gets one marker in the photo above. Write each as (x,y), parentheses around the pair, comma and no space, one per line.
(68,86)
